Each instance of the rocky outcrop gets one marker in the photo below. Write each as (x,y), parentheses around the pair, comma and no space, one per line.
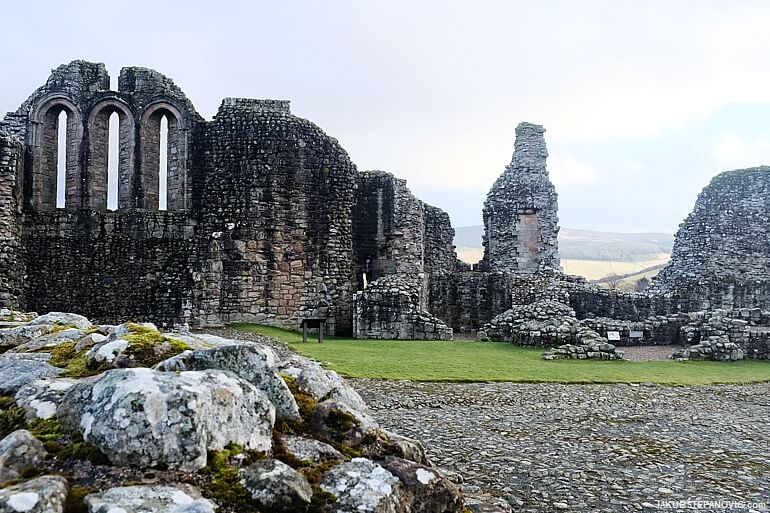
(148,418)
(18,369)
(148,499)
(40,495)
(208,417)
(19,451)
(255,364)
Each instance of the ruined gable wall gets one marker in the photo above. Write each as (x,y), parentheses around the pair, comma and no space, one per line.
(131,263)
(521,210)
(276,232)
(721,254)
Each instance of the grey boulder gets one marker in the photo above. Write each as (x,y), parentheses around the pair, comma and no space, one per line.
(424,488)
(319,383)
(143,417)
(41,397)
(337,421)
(276,486)
(309,450)
(63,319)
(16,336)
(19,451)
(18,369)
(362,486)
(148,499)
(44,494)
(254,363)
(49,340)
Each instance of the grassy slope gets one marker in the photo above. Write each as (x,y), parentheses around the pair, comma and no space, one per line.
(490,361)
(595,269)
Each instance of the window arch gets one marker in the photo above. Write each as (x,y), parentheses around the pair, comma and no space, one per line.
(55,137)
(99,155)
(164,157)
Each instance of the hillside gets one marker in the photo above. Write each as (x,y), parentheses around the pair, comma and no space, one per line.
(588,253)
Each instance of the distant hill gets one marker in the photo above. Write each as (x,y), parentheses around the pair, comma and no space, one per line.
(588,244)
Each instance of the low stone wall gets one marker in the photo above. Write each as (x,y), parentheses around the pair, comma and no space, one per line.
(389,308)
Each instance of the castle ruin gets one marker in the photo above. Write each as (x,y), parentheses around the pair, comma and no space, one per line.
(259,216)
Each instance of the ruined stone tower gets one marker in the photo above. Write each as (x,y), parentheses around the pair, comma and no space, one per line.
(721,255)
(520,213)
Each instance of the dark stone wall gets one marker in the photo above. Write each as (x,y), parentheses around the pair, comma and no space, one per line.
(275,232)
(466,300)
(111,266)
(11,250)
(721,254)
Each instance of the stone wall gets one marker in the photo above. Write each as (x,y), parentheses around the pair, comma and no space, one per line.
(721,254)
(11,251)
(389,308)
(521,210)
(275,231)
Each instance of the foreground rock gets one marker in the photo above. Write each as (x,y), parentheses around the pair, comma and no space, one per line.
(19,451)
(276,486)
(148,499)
(147,418)
(18,369)
(42,495)
(62,319)
(206,414)
(254,363)
(319,383)
(41,397)
(362,486)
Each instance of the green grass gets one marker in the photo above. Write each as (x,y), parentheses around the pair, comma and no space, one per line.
(497,361)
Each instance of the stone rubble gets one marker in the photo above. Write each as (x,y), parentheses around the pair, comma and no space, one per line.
(125,438)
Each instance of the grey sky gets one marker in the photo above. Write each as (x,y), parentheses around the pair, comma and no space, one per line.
(643,101)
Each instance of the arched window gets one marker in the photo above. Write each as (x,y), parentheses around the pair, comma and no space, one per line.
(163,167)
(164,157)
(55,133)
(111,156)
(113,162)
(61,160)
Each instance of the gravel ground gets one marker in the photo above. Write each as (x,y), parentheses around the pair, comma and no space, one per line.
(544,448)
(646,353)
(590,448)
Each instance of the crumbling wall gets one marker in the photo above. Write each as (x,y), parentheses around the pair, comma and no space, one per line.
(721,254)
(389,308)
(11,251)
(521,210)
(275,229)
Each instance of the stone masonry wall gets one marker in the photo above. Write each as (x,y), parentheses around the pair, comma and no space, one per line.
(11,252)
(721,254)
(521,210)
(275,232)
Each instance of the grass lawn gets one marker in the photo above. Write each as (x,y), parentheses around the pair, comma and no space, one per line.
(499,361)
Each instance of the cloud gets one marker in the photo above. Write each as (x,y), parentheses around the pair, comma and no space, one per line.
(568,171)
(734,152)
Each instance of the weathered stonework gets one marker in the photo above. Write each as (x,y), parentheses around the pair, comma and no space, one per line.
(521,211)
(721,254)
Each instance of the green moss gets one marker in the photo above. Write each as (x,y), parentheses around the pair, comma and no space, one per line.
(75,502)
(12,417)
(66,356)
(146,346)
(305,402)
(225,486)
(340,421)
(61,327)
(46,430)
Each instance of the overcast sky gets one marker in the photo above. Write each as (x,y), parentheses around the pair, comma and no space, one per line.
(643,102)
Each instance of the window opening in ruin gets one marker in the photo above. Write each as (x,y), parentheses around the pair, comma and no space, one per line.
(163,169)
(113,161)
(61,160)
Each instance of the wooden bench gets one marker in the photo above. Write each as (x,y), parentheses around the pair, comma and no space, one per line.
(313,322)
